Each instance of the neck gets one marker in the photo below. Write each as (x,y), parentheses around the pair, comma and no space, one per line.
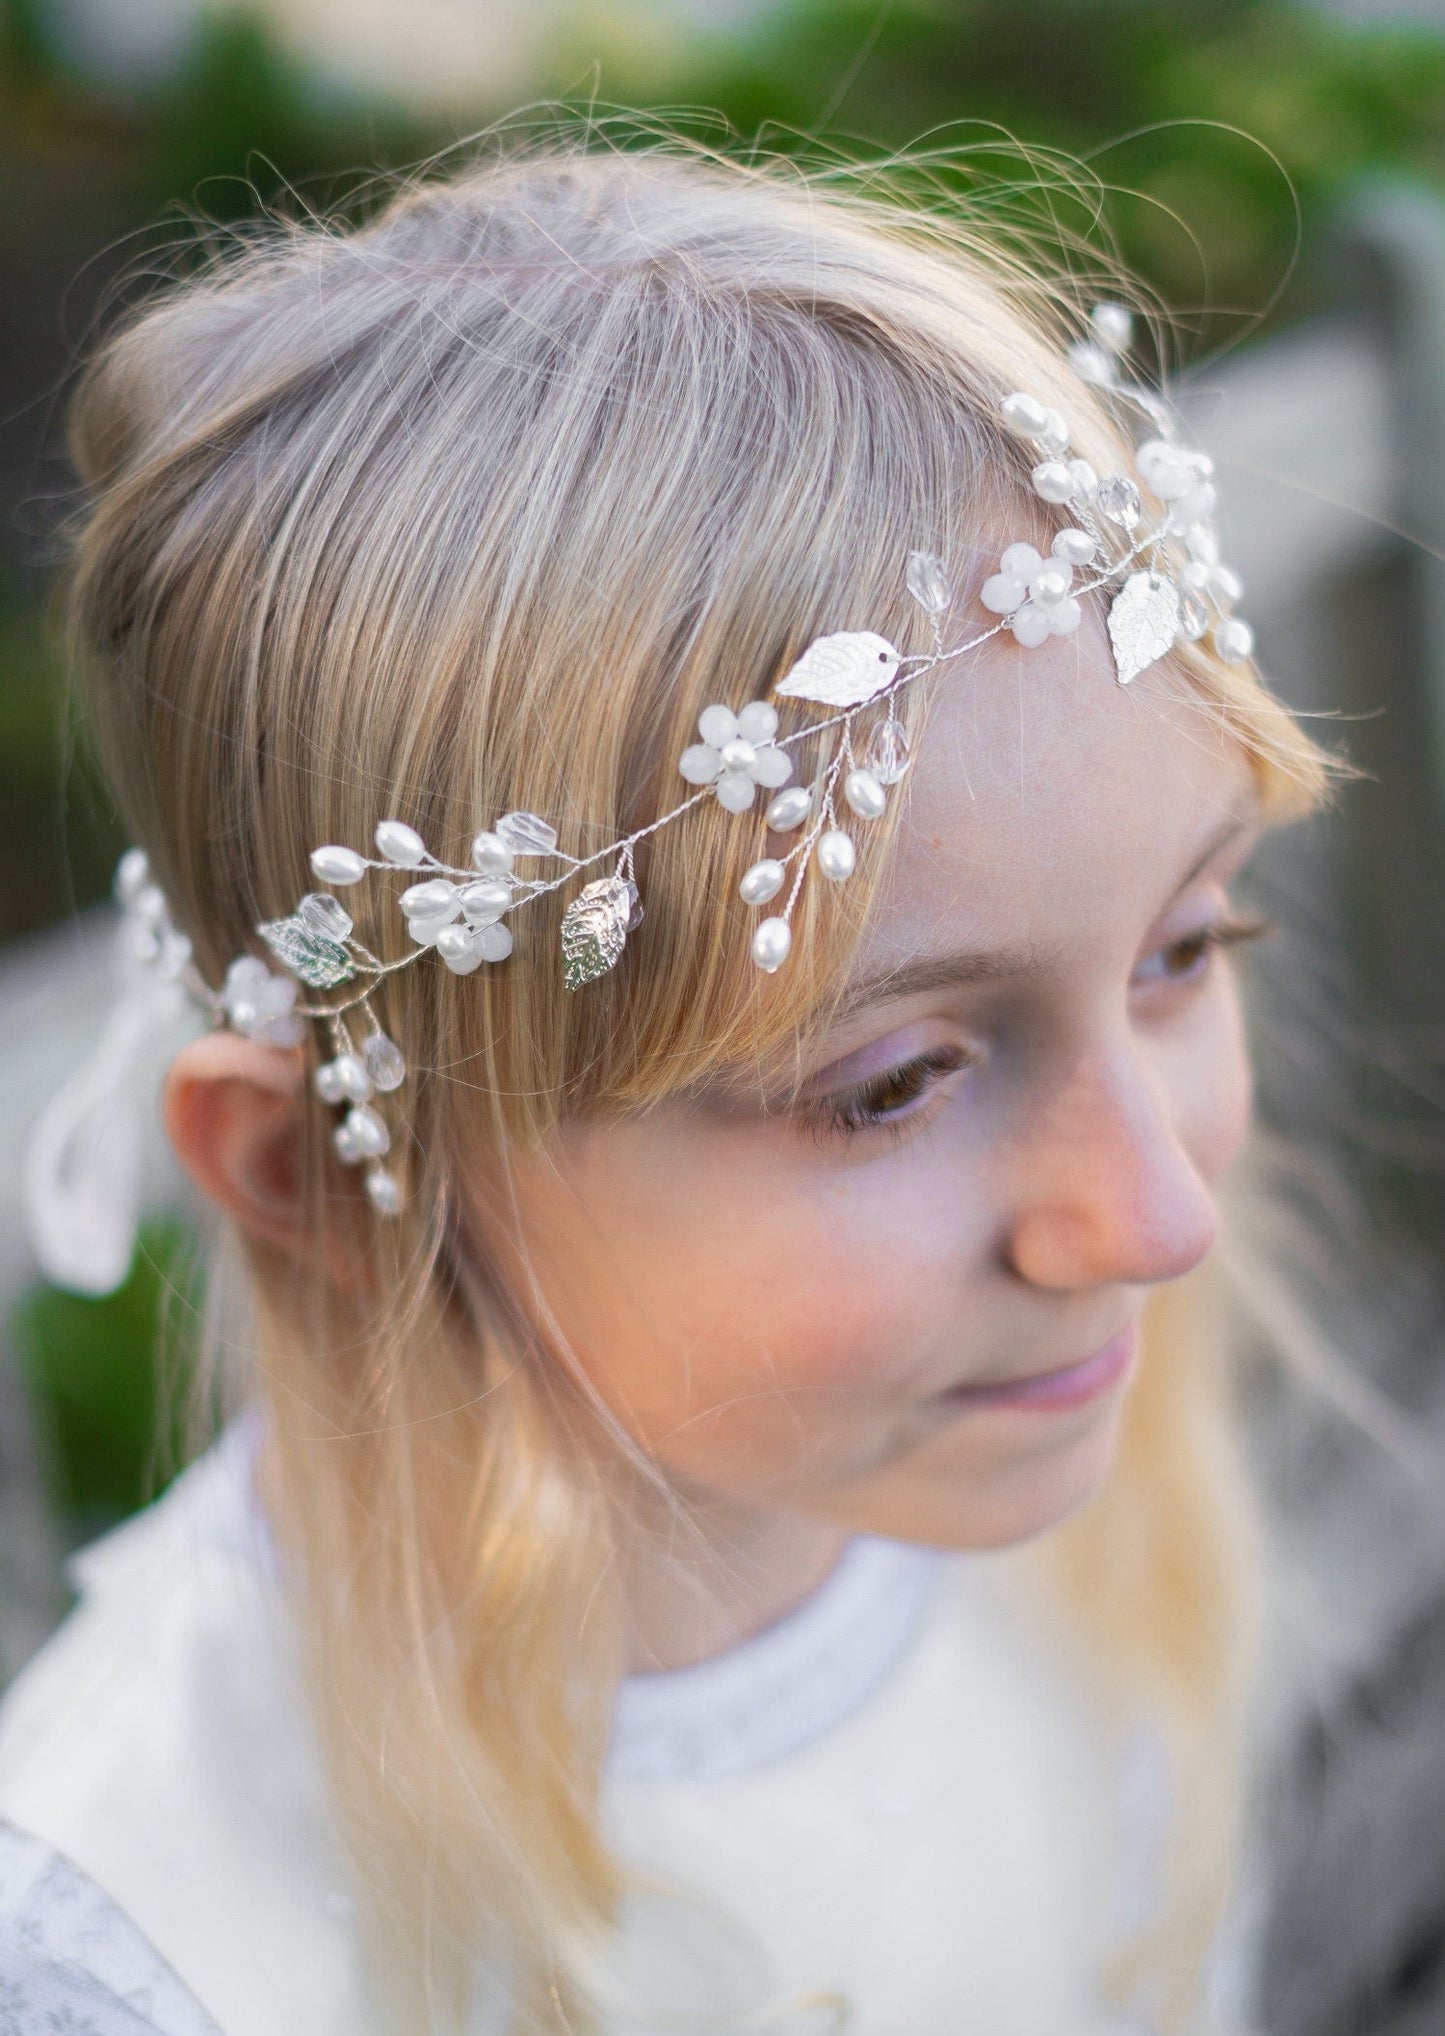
(694,1590)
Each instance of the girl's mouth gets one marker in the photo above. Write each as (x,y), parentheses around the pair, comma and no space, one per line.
(1072,1385)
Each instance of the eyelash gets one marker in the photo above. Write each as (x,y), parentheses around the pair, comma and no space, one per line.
(876,1105)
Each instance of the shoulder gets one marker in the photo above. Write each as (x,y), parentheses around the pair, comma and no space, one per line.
(71,1960)
(161,1742)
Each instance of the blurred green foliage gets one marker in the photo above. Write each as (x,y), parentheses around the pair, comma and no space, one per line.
(1207,122)
(109,1436)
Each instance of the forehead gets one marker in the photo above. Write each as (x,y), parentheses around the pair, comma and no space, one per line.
(1050,806)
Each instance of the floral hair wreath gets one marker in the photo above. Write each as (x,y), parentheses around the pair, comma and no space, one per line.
(1169,587)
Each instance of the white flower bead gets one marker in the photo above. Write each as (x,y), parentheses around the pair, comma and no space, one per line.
(494,942)
(770,944)
(737,754)
(1226,583)
(400,844)
(1020,562)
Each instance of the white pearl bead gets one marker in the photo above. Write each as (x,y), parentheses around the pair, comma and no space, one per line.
(367,1131)
(400,844)
(789,809)
(384,1193)
(347,1149)
(864,794)
(1074,547)
(763,881)
(758,721)
(457,947)
(837,857)
(485,901)
(770,944)
(1052,481)
(491,855)
(494,942)
(1226,583)
(1086,480)
(1024,414)
(738,755)
(426,901)
(351,1077)
(327,1084)
(338,865)
(1234,641)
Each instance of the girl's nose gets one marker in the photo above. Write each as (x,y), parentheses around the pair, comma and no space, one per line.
(1102,1191)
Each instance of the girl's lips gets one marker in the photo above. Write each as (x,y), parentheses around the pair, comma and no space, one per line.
(1071,1386)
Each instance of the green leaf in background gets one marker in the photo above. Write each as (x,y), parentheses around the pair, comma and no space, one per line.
(109,1436)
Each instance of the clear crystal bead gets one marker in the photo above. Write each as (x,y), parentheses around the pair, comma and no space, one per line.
(527,834)
(325,915)
(928,582)
(887,757)
(382,1059)
(1118,499)
(1193,616)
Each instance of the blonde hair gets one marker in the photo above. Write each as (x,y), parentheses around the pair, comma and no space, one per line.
(476,506)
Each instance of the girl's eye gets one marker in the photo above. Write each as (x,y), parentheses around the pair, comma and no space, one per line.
(886,1099)
(1187,960)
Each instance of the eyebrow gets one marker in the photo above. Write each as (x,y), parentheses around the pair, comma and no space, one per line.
(967,967)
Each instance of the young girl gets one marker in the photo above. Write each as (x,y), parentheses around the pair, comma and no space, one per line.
(615,1605)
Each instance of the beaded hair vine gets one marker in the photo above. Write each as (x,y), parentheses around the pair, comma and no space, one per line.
(1168,587)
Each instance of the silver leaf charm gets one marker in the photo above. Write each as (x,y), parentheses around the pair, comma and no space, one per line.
(594,930)
(306,954)
(844,670)
(1143,623)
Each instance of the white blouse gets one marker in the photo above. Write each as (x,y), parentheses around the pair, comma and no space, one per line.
(897,1808)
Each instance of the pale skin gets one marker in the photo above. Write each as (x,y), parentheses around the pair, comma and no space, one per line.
(985,1181)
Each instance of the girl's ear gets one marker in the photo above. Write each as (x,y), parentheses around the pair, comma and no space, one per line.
(234,1111)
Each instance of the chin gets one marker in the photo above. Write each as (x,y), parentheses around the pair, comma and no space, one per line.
(962,1498)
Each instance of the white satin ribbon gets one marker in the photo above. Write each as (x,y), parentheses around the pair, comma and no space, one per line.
(83,1168)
